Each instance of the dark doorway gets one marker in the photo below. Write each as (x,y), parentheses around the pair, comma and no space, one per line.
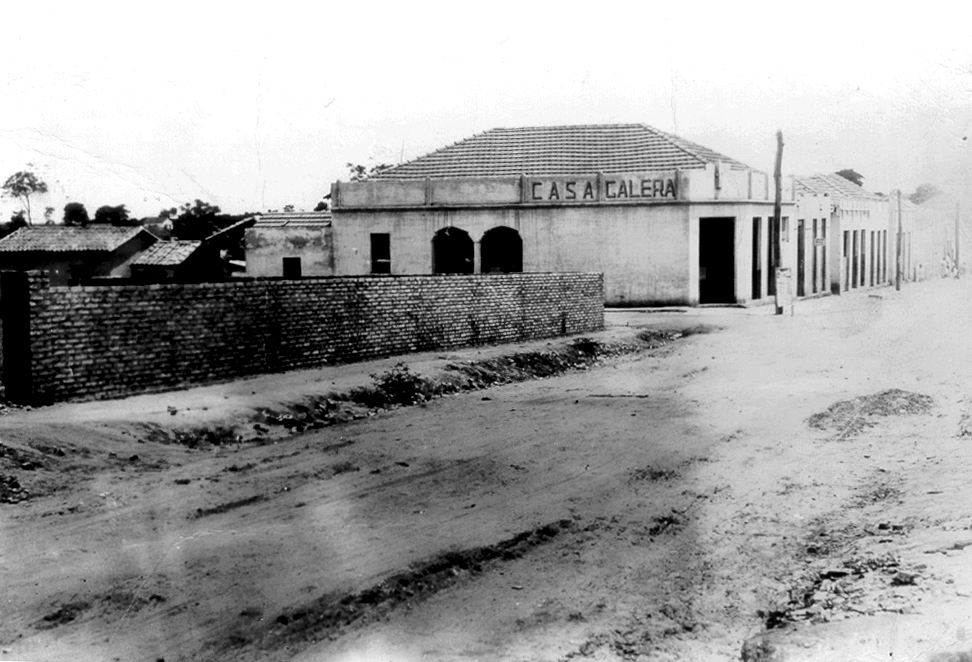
(757,260)
(501,251)
(452,252)
(15,318)
(291,267)
(717,264)
(380,253)
(845,265)
(856,255)
(815,281)
(872,269)
(772,239)
(801,259)
(863,271)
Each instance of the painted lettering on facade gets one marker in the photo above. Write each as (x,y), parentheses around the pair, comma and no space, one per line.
(606,189)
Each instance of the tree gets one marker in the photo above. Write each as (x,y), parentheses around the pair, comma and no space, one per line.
(324,204)
(108,215)
(288,208)
(196,221)
(17,221)
(75,214)
(852,175)
(359,173)
(48,215)
(22,185)
(923,193)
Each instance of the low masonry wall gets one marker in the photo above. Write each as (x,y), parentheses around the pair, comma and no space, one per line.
(65,343)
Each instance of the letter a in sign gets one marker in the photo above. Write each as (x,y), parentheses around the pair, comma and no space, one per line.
(588,191)
(554,193)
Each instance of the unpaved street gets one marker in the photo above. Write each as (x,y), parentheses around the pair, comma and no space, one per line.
(807,476)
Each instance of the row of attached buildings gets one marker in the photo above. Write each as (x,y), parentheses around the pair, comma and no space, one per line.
(666,220)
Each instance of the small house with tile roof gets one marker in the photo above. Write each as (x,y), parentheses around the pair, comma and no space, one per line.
(74,255)
(177,261)
(290,245)
(666,220)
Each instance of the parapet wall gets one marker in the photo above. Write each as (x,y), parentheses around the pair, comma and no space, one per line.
(108,341)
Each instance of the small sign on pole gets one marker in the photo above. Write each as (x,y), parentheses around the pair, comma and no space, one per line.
(818,241)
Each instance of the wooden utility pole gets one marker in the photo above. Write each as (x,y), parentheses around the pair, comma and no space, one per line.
(897,271)
(958,269)
(777,210)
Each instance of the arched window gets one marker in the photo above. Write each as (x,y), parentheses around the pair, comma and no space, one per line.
(452,252)
(502,251)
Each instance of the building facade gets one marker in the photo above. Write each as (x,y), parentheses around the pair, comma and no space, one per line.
(665,220)
(851,236)
(290,245)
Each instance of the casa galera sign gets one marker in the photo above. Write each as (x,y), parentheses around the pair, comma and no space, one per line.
(601,188)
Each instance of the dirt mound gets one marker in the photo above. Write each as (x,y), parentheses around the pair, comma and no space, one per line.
(401,387)
(851,417)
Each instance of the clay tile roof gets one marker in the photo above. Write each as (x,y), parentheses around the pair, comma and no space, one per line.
(561,150)
(166,253)
(62,239)
(835,186)
(293,219)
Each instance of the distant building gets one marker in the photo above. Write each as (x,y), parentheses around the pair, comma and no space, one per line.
(850,241)
(74,255)
(666,220)
(177,261)
(936,253)
(290,245)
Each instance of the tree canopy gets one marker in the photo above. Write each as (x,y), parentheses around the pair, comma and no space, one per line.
(76,214)
(852,175)
(360,173)
(16,222)
(109,215)
(22,185)
(194,221)
(923,193)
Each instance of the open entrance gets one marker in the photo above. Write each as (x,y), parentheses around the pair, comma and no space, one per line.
(717,260)
(452,252)
(801,259)
(757,259)
(501,251)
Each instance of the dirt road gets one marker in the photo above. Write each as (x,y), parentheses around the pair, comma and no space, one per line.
(795,487)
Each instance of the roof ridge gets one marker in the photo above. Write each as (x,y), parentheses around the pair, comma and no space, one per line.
(560,148)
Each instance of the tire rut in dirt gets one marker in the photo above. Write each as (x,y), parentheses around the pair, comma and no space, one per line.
(329,616)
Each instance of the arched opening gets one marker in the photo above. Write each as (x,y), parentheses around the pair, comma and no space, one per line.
(452,252)
(502,251)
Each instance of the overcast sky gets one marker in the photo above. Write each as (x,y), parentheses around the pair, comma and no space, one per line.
(253,106)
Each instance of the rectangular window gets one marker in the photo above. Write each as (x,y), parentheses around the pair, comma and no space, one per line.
(380,253)
(291,267)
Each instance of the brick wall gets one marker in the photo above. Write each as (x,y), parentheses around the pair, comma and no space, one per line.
(105,341)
